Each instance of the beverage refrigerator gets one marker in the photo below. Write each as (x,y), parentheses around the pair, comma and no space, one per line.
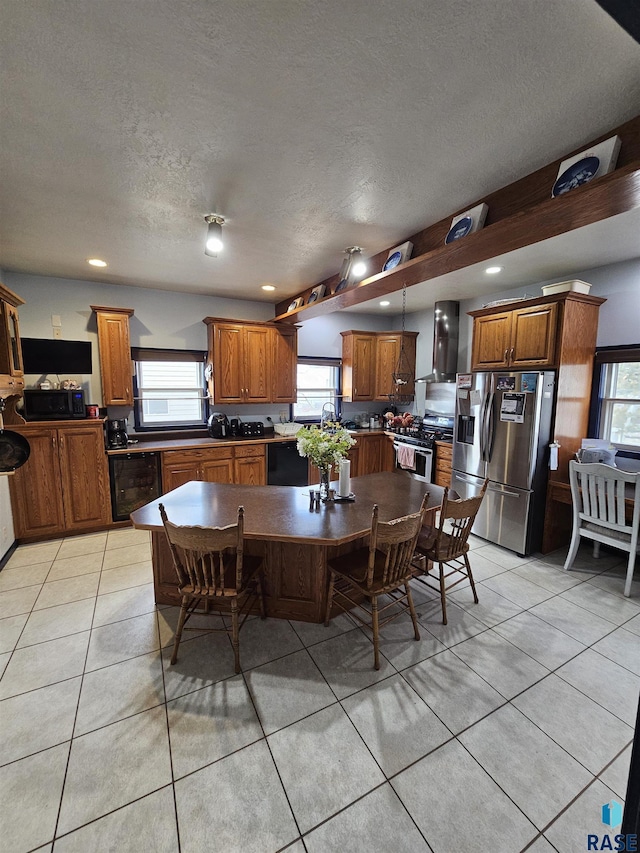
(502,431)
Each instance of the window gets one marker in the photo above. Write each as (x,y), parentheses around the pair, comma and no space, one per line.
(169,389)
(619,397)
(318,383)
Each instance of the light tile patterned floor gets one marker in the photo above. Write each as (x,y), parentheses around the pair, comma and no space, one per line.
(505,730)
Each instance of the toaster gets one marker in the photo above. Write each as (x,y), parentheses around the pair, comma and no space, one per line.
(252,429)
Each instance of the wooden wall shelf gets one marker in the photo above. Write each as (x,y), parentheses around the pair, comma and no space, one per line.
(618,192)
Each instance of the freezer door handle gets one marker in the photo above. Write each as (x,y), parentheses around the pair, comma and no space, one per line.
(465,478)
(490,426)
(502,491)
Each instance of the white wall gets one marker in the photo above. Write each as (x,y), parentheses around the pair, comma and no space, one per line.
(6,519)
(618,319)
(163,319)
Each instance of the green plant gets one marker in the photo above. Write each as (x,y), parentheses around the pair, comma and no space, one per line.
(325,446)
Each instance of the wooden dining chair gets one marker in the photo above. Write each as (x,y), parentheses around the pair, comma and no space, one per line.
(447,545)
(599,513)
(382,567)
(213,572)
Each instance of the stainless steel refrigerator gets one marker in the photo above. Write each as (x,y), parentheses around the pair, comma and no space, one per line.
(502,432)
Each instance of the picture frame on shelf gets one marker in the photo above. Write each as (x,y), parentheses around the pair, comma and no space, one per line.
(591,163)
(398,256)
(317,293)
(467,223)
(297,303)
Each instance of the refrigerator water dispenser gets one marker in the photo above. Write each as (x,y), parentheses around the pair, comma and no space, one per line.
(466,429)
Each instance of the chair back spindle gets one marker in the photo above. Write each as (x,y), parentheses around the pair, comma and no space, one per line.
(200,554)
(395,539)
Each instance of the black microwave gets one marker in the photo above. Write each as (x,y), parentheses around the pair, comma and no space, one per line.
(56,405)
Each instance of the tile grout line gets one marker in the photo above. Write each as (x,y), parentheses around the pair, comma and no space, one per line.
(75,719)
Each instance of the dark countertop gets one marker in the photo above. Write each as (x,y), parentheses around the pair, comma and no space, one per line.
(149,446)
(281,513)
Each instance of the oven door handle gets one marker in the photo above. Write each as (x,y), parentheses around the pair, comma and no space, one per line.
(421,451)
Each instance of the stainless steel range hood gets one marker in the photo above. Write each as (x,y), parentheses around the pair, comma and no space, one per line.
(446,325)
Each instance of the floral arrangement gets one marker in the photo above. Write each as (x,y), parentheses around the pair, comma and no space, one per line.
(325,447)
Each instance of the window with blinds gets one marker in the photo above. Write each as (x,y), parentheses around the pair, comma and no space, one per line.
(169,389)
(318,382)
(618,375)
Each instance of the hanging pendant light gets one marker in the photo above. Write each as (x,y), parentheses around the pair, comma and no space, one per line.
(402,377)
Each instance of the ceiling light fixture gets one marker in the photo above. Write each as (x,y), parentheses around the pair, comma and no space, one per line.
(385,304)
(493,270)
(96,262)
(353,268)
(214,242)
(268,287)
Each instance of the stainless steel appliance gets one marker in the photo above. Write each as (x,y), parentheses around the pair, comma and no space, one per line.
(502,431)
(218,425)
(117,433)
(433,427)
(57,404)
(135,480)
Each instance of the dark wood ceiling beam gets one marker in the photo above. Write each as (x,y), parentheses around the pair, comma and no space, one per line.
(519,215)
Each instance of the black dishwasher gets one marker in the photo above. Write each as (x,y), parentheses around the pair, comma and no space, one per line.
(135,480)
(285,466)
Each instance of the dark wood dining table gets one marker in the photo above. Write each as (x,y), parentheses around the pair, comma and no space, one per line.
(294,541)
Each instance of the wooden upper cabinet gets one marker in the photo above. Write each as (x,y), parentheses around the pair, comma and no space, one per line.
(257,364)
(533,336)
(115,355)
(358,366)
(251,362)
(226,353)
(491,341)
(369,360)
(11,373)
(284,345)
(389,348)
(519,338)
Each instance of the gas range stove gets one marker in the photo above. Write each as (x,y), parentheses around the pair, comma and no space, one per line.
(434,427)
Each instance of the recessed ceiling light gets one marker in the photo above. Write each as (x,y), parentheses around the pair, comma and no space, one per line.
(385,303)
(268,287)
(96,262)
(493,270)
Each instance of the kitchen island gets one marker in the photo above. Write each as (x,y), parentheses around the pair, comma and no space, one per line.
(294,541)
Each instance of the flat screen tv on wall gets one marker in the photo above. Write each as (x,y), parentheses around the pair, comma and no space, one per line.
(40,355)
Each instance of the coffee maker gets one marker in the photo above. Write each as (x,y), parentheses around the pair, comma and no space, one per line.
(117,433)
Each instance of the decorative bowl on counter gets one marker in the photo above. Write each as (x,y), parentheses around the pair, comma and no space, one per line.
(287,429)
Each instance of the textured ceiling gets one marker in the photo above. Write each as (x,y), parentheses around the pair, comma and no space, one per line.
(310,126)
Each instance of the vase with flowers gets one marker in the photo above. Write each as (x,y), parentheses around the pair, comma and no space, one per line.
(325,447)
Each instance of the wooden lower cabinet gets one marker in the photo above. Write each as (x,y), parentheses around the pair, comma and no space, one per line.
(245,465)
(249,468)
(64,486)
(442,471)
(372,453)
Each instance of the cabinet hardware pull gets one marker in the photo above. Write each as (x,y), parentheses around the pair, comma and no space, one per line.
(61,442)
(506,353)
(53,440)
(511,356)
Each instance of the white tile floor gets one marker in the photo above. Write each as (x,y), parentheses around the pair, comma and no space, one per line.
(505,730)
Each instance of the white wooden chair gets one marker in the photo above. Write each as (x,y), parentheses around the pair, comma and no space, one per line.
(597,495)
